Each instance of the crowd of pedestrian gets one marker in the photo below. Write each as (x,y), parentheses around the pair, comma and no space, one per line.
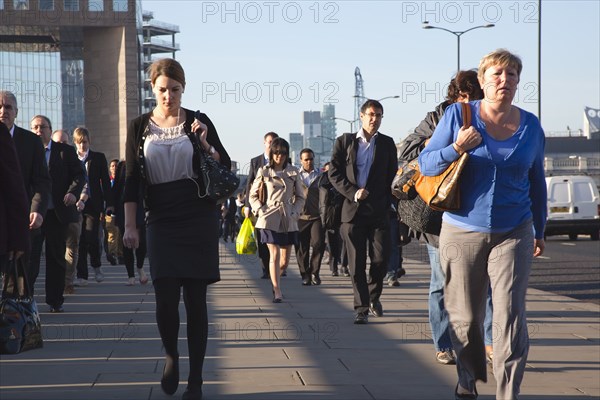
(77,203)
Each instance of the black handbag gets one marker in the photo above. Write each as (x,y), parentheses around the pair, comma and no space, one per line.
(333,210)
(20,325)
(218,181)
(419,216)
(403,187)
(412,210)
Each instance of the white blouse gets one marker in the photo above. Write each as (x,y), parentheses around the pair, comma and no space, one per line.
(168,153)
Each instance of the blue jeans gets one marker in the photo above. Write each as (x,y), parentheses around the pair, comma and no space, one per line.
(438,316)
(395,262)
(487,322)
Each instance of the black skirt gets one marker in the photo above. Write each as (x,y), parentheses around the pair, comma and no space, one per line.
(278,238)
(182,232)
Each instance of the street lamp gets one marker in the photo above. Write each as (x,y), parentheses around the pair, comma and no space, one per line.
(383,98)
(325,137)
(343,119)
(458,34)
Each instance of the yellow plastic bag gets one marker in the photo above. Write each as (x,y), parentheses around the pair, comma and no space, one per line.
(245,242)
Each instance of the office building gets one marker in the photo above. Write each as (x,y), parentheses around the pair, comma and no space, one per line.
(158,42)
(79,62)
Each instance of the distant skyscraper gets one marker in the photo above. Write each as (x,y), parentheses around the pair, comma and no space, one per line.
(296,144)
(311,124)
(328,130)
(311,129)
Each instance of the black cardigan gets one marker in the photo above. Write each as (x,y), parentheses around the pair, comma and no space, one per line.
(134,151)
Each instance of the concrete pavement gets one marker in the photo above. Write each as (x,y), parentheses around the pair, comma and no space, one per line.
(106,345)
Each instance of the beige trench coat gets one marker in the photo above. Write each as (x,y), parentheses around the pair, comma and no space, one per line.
(285,199)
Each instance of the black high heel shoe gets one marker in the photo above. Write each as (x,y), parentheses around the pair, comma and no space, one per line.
(192,392)
(277,299)
(170,378)
(465,396)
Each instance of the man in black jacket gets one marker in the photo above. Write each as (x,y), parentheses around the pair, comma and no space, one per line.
(362,168)
(311,232)
(34,170)
(31,156)
(100,201)
(68,178)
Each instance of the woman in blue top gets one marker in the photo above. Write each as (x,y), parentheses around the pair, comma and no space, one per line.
(499,227)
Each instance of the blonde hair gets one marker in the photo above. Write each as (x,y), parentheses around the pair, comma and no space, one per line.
(79,133)
(500,57)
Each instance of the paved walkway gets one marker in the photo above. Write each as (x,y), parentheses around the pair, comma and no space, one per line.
(106,345)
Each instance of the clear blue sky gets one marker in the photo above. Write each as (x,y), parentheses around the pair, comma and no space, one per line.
(253,67)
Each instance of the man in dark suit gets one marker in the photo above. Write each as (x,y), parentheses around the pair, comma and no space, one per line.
(31,156)
(362,169)
(255,164)
(100,201)
(311,233)
(68,178)
(34,170)
(14,205)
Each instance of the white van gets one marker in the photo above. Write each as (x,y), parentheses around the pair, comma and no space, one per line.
(573,206)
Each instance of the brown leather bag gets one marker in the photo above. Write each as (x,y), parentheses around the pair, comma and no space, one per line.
(442,192)
(262,191)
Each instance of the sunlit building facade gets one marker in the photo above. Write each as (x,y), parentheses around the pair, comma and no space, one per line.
(75,61)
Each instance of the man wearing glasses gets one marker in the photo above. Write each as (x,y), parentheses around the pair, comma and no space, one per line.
(362,168)
(311,232)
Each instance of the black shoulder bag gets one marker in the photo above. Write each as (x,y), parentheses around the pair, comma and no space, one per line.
(20,326)
(219,182)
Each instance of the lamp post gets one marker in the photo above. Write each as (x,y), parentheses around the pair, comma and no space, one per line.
(343,119)
(383,98)
(458,34)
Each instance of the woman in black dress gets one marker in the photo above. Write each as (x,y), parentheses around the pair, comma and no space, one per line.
(182,225)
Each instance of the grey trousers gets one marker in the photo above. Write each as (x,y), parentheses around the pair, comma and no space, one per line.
(471,261)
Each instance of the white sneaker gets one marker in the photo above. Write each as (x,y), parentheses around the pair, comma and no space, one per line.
(99,274)
(131,281)
(80,282)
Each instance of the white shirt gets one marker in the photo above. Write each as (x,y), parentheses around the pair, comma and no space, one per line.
(169,153)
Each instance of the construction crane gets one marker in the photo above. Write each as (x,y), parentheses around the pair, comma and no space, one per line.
(359,93)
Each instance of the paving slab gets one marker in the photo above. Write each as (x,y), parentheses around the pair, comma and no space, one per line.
(106,345)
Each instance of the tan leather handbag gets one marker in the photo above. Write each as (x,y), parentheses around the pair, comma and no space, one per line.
(442,192)
(262,191)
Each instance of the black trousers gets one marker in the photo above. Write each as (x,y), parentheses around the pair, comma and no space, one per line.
(263,251)
(54,233)
(335,248)
(360,235)
(89,243)
(140,254)
(167,293)
(229,230)
(310,234)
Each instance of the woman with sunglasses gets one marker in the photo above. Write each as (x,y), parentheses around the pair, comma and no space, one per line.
(278,216)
